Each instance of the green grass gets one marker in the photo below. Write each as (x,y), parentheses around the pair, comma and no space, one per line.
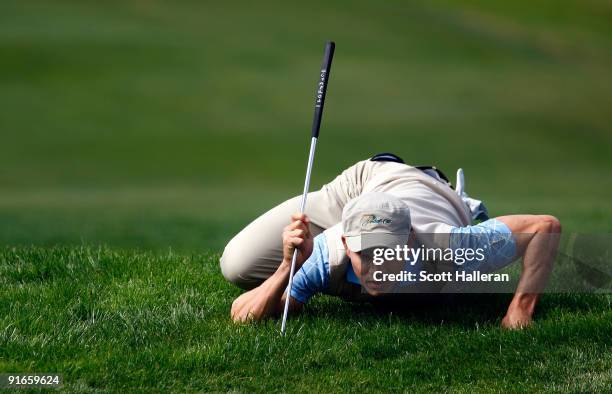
(159,129)
(116,321)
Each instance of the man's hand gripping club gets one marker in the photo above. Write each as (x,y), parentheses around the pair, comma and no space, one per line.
(268,299)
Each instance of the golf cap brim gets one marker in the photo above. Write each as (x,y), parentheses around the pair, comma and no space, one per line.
(364,241)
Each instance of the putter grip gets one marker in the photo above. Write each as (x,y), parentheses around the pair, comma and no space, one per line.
(322,87)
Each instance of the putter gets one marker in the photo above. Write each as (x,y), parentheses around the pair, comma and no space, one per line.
(316,124)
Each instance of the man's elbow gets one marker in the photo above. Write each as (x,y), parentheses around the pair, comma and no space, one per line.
(240,312)
(549,224)
(248,307)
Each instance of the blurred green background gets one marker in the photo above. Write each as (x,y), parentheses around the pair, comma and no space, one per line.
(155,124)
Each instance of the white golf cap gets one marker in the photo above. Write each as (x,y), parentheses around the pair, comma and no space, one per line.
(375,220)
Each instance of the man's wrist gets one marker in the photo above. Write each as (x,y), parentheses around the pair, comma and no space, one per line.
(285,264)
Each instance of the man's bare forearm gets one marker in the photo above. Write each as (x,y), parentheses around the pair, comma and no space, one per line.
(266,300)
(274,287)
(537,240)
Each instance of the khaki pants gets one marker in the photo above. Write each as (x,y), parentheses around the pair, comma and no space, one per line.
(255,253)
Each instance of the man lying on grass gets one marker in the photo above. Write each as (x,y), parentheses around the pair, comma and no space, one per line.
(379,203)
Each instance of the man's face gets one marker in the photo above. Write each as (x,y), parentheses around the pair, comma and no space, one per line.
(362,263)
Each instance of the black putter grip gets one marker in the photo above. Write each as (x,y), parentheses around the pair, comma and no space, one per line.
(322,87)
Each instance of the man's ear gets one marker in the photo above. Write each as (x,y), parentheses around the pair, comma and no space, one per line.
(346,249)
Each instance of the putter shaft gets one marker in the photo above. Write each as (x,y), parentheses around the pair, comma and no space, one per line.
(313,147)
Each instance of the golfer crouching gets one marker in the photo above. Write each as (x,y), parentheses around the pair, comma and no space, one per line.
(375,204)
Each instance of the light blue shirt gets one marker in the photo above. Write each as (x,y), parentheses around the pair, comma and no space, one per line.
(313,277)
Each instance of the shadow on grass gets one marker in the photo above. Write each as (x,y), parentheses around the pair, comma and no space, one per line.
(460,310)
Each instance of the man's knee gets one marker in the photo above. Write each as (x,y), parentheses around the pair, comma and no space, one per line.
(549,224)
(233,268)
